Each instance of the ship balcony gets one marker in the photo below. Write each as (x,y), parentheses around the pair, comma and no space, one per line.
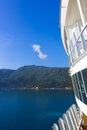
(78,46)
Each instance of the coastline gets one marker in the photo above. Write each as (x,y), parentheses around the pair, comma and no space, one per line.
(37,89)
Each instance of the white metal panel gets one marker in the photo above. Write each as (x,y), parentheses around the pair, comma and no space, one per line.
(63,15)
(82,106)
(80,65)
(64,3)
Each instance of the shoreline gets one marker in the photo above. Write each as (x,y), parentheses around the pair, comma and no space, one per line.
(66,88)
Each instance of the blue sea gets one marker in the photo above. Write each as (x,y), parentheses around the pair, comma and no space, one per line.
(32,110)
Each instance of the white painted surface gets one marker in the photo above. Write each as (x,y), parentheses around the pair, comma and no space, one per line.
(82,106)
(81,65)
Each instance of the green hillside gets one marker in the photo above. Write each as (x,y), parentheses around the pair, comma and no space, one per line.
(35,76)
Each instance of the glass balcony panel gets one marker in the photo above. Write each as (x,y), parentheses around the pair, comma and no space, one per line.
(79,45)
(84,35)
(73,55)
(70,46)
(76,52)
(77,30)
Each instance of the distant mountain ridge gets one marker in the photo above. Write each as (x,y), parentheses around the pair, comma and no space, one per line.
(35,76)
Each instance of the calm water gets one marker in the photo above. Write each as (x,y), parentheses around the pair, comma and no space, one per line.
(32,110)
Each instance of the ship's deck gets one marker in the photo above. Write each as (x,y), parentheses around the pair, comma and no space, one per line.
(73,119)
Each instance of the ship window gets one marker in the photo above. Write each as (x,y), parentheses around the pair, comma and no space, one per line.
(81,86)
(85,79)
(78,86)
(75,87)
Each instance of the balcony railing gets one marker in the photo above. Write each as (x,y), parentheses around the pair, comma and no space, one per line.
(77,46)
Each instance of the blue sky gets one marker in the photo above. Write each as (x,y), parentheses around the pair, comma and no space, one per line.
(30,34)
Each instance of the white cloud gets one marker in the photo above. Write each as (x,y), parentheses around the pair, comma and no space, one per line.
(40,54)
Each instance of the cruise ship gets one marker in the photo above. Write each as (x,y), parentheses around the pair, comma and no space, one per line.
(74,37)
(73,24)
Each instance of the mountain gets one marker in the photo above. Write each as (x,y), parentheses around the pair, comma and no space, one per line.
(35,76)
